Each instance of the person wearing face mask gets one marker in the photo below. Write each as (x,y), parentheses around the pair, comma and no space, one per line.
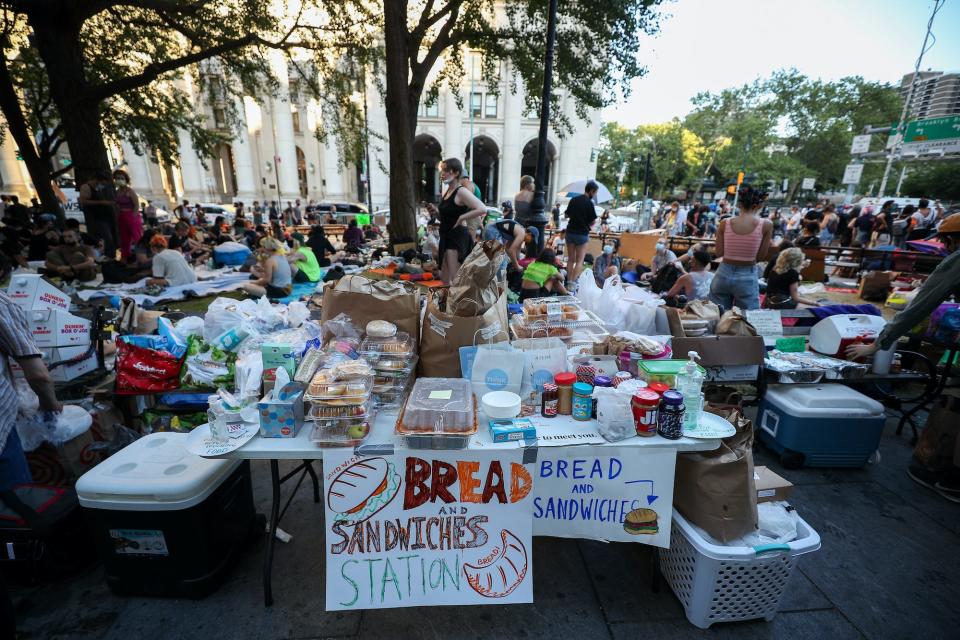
(71,260)
(606,264)
(431,241)
(129,222)
(457,207)
(661,259)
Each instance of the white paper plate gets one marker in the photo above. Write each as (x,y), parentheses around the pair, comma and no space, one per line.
(710,427)
(201,444)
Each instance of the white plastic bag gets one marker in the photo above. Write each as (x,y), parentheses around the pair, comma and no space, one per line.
(71,422)
(297,313)
(222,314)
(587,291)
(640,318)
(247,374)
(191,325)
(776,524)
(610,305)
(543,359)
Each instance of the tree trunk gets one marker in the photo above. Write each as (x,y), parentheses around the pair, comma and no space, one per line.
(38,167)
(401,125)
(57,39)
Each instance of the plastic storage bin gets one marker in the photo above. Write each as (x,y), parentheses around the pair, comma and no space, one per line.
(815,425)
(716,583)
(664,371)
(167,522)
(440,413)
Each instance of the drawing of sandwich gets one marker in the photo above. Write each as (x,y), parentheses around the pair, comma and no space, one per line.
(363,489)
(501,574)
(641,521)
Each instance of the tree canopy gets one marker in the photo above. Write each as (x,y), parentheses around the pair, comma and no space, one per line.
(785,126)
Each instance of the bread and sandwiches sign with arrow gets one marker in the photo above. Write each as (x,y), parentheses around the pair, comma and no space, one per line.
(427,528)
(624,495)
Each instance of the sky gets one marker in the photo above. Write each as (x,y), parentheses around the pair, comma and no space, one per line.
(709,45)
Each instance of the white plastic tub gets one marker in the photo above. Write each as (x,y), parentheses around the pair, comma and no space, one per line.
(717,583)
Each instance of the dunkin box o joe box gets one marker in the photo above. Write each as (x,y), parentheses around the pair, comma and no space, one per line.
(31,291)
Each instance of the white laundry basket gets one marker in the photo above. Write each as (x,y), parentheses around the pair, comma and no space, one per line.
(717,583)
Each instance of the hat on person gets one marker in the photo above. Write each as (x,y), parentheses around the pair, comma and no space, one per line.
(951,224)
(298,237)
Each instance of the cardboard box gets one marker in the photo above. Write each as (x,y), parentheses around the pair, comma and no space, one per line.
(726,358)
(641,246)
(279,354)
(32,291)
(814,271)
(770,486)
(73,370)
(55,328)
(283,417)
(874,285)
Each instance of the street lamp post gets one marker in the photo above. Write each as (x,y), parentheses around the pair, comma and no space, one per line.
(538,205)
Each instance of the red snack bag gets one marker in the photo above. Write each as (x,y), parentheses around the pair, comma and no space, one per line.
(141,370)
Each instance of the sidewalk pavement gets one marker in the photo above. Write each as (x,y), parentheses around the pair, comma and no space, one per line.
(889,568)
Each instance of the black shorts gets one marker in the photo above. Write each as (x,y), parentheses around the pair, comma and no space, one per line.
(527,294)
(459,239)
(276,292)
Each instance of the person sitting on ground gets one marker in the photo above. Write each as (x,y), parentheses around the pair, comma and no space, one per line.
(216,235)
(142,254)
(320,245)
(542,278)
(607,263)
(353,236)
(85,238)
(782,285)
(183,241)
(695,284)
(369,233)
(43,237)
(772,262)
(169,267)
(71,260)
(661,259)
(272,278)
(303,262)
(431,241)
(811,235)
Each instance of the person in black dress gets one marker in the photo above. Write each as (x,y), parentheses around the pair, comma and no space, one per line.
(457,206)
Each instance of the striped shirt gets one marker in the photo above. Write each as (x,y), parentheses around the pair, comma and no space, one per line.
(16,341)
(742,248)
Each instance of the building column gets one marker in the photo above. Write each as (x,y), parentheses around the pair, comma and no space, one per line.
(379,149)
(138,166)
(512,155)
(286,148)
(14,180)
(192,173)
(243,158)
(453,146)
(333,182)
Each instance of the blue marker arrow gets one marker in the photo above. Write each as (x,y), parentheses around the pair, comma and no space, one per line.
(651,497)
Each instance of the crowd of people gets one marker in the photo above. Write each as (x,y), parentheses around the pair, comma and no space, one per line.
(123,240)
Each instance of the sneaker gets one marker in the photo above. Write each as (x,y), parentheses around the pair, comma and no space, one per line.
(950,492)
(923,477)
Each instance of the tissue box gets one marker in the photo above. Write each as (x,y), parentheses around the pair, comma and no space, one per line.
(276,354)
(509,430)
(281,416)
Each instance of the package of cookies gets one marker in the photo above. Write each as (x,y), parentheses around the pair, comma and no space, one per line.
(325,386)
(396,345)
(439,405)
(552,308)
(321,411)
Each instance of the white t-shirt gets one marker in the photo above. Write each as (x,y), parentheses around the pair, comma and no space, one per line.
(172,267)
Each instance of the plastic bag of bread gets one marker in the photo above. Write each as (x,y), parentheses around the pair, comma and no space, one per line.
(475,288)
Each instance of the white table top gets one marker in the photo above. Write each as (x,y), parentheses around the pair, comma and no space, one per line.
(300,446)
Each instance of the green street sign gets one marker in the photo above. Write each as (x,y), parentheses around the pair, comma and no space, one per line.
(930,135)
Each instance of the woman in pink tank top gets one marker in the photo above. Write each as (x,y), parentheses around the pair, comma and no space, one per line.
(741,241)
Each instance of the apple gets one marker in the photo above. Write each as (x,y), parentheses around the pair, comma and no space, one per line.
(357,431)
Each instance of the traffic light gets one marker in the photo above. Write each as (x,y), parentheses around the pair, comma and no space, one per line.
(732,189)
(739,178)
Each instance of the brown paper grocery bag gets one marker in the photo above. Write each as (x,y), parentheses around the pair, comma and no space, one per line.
(474,289)
(715,489)
(700,310)
(734,323)
(444,333)
(365,300)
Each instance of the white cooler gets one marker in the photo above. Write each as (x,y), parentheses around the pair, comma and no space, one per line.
(814,425)
(167,522)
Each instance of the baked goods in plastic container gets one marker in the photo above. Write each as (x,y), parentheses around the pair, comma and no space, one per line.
(348,432)
(331,391)
(440,413)
(399,344)
(381,329)
(559,307)
(322,411)
(586,325)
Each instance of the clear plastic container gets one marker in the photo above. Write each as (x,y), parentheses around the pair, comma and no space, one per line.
(440,413)
(566,307)
(587,323)
(394,366)
(398,345)
(348,432)
(320,411)
(339,389)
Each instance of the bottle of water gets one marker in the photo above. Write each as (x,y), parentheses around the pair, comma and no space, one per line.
(217,420)
(690,383)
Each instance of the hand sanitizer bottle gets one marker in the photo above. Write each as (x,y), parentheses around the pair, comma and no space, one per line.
(690,383)
(217,420)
